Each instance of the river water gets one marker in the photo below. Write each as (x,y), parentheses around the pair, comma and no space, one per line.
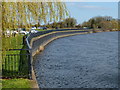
(81,61)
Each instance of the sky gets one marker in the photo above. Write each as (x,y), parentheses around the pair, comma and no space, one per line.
(83,11)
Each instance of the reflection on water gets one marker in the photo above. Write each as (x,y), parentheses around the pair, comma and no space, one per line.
(81,61)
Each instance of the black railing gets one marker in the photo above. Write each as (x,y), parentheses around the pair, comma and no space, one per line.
(16,64)
(38,42)
(19,62)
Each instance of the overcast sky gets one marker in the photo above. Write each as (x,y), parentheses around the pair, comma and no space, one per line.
(82,11)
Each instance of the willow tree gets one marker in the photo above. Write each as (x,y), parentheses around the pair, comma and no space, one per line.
(16,14)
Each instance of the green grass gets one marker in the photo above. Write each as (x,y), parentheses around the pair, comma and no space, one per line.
(16,83)
(12,42)
(44,30)
(40,30)
(14,65)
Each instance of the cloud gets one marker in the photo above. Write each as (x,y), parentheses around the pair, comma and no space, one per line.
(93,7)
(71,4)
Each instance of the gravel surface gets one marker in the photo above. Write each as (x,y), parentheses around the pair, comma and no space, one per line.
(81,61)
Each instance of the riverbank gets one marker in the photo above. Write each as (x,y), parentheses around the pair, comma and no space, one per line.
(34,82)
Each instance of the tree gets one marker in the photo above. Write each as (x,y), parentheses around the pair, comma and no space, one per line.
(114,24)
(78,26)
(105,22)
(16,13)
(62,25)
(85,24)
(26,14)
(109,25)
(70,22)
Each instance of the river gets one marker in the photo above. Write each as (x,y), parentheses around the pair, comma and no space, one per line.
(81,61)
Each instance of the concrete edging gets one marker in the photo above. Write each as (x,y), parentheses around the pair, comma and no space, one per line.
(41,47)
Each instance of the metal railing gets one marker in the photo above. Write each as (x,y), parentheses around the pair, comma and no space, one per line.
(20,65)
(16,64)
(36,44)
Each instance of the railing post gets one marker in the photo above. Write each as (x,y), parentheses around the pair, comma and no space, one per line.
(30,64)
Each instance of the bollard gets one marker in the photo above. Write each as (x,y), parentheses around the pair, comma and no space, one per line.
(41,48)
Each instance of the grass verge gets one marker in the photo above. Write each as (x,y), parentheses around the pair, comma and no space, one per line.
(16,83)
(15,43)
(12,42)
(13,63)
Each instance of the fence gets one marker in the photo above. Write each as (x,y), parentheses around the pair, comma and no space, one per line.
(38,42)
(20,64)
(16,64)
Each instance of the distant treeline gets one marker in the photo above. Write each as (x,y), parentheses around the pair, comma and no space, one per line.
(105,22)
(99,22)
(67,23)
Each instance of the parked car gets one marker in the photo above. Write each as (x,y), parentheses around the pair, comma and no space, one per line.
(23,29)
(24,32)
(56,28)
(85,27)
(39,27)
(15,32)
(27,32)
(44,28)
(33,31)
(33,28)
(8,33)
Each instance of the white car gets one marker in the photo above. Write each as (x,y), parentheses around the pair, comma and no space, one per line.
(24,32)
(15,32)
(8,33)
(40,27)
(27,32)
(33,28)
(33,31)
